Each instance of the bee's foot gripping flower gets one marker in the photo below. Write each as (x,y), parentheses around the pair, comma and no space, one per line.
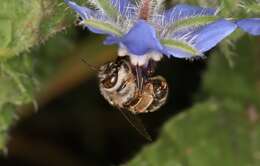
(145,31)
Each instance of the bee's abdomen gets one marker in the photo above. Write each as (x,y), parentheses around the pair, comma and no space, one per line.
(153,96)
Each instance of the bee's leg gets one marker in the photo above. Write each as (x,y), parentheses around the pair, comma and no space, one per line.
(139,79)
(150,68)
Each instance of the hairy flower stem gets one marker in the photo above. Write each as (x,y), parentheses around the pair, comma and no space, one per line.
(145,7)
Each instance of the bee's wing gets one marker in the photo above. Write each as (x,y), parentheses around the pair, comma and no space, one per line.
(136,123)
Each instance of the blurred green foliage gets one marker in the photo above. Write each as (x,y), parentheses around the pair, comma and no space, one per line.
(7,116)
(27,23)
(24,24)
(224,128)
(221,128)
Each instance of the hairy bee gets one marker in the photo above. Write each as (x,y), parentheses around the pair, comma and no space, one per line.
(134,90)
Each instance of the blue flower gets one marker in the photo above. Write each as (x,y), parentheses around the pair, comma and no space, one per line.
(250,25)
(145,31)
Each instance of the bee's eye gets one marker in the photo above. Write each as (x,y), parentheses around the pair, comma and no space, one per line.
(110,81)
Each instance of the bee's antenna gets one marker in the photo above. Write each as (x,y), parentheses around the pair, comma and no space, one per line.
(92,67)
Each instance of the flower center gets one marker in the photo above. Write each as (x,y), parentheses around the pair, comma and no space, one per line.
(144,12)
(138,60)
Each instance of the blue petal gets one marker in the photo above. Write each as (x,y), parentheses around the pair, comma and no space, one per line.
(250,25)
(111,40)
(202,39)
(183,11)
(84,12)
(141,39)
(210,35)
(97,31)
(177,53)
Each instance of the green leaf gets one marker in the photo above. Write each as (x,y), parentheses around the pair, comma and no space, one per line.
(20,19)
(24,24)
(7,116)
(171,43)
(211,133)
(16,81)
(5,32)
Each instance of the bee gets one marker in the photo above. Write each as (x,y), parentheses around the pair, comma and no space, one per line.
(132,89)
(119,86)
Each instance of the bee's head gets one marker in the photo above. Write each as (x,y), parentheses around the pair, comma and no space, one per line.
(111,73)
